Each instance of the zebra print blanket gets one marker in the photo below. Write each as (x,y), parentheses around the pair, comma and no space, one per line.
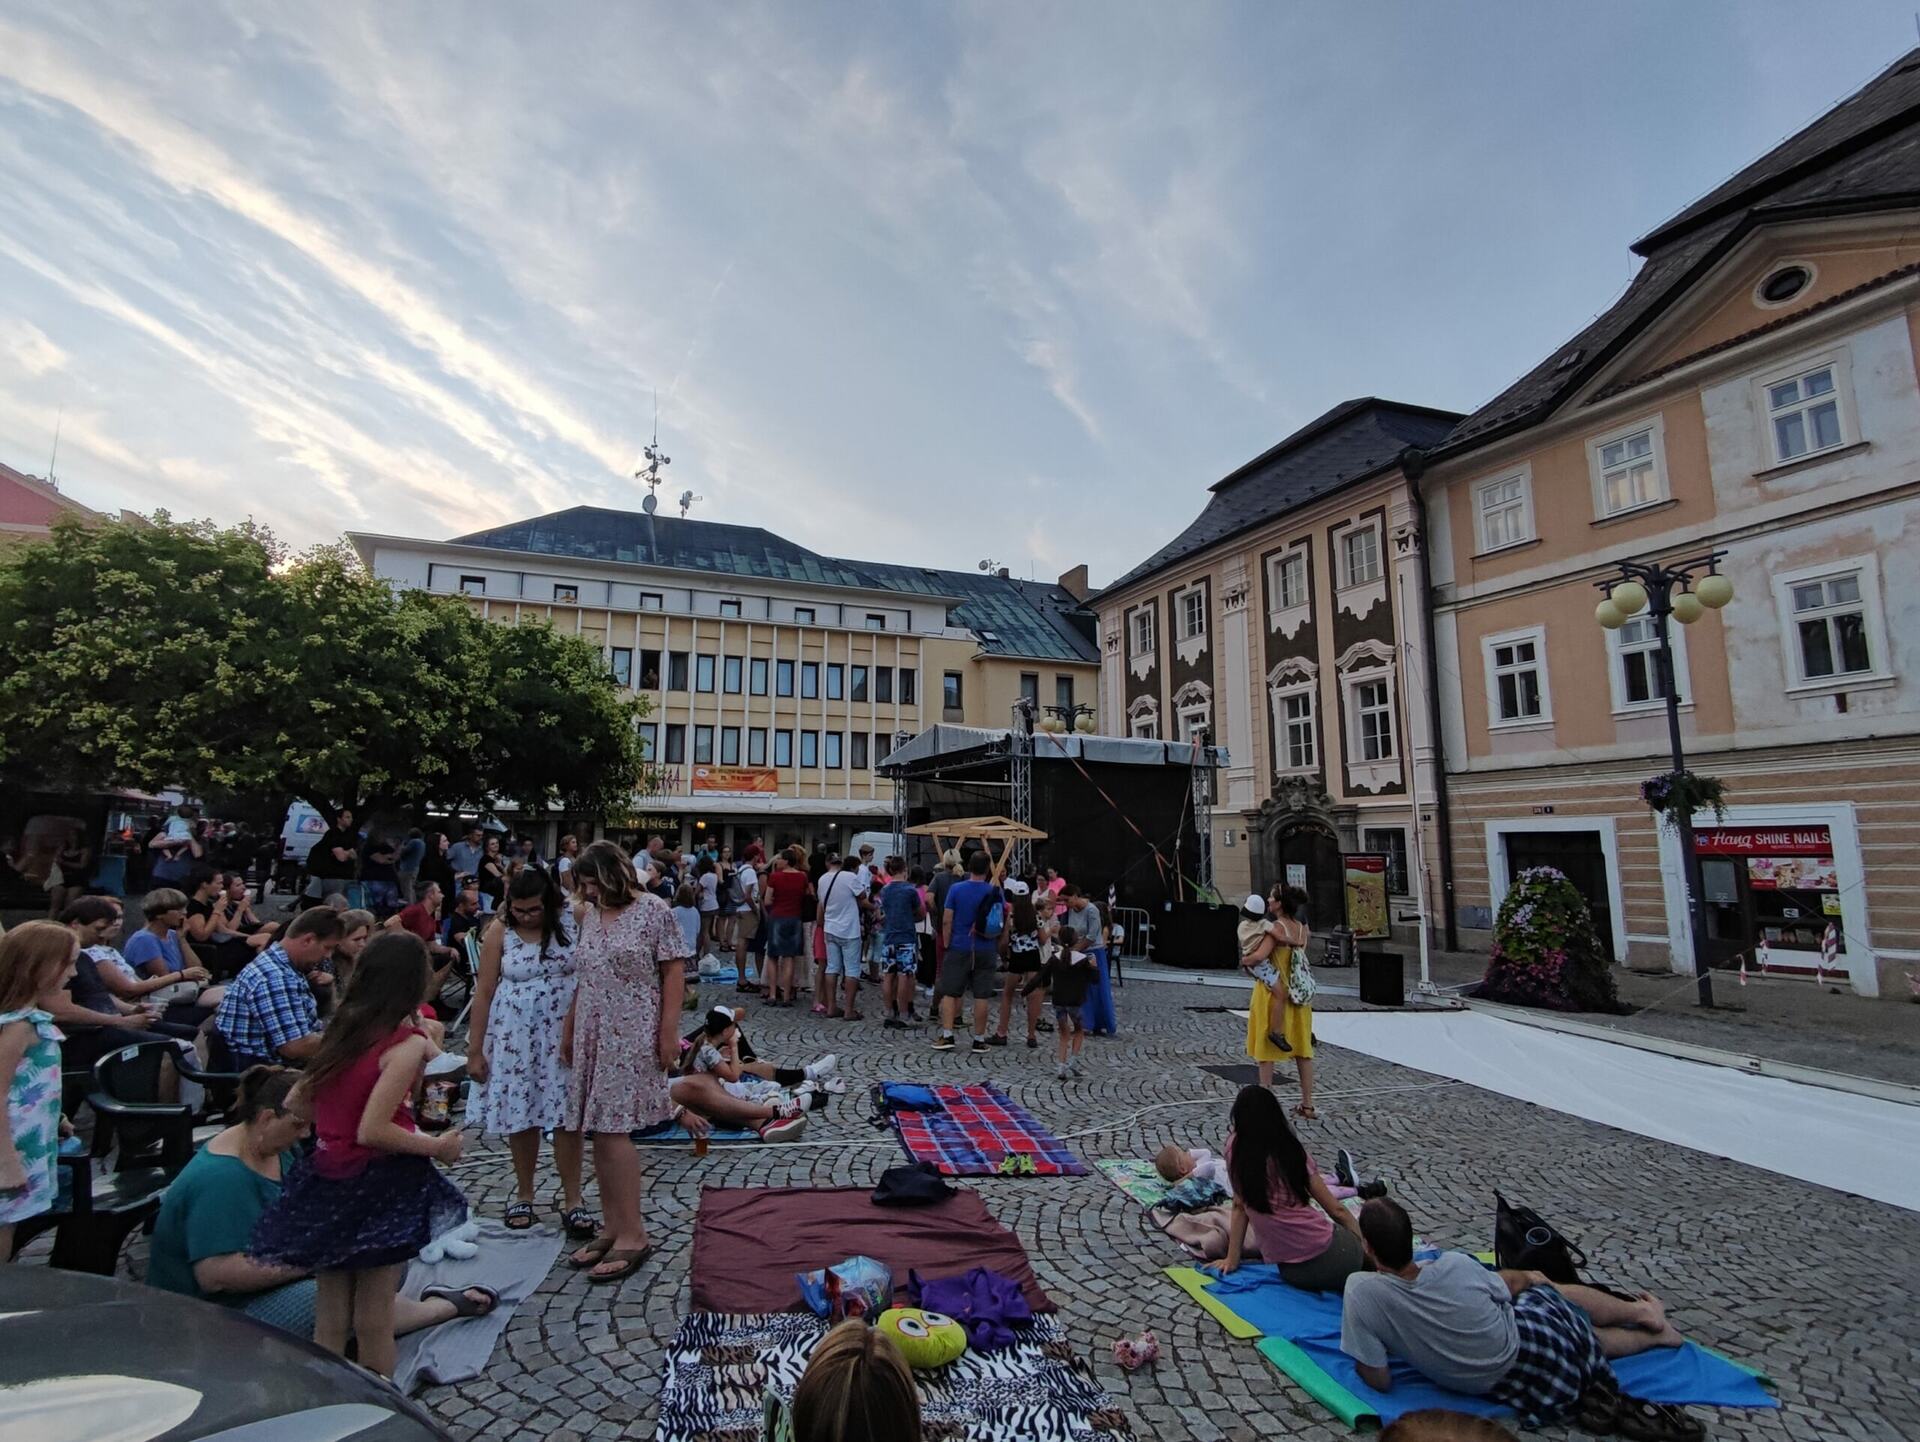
(722,1367)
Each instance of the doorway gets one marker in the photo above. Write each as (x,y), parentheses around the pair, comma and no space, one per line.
(1577,855)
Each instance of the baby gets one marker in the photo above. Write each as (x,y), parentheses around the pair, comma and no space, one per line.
(1176,1164)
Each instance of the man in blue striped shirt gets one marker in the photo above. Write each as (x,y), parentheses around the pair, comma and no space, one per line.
(269,1014)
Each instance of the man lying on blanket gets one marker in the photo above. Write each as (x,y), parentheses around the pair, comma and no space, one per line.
(1539,1347)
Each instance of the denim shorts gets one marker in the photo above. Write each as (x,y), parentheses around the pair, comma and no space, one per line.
(783,936)
(900,958)
(843,956)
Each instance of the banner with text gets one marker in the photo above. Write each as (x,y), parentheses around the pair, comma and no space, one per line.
(740,780)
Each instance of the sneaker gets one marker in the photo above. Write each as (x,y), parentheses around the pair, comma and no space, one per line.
(996,1041)
(833,1085)
(1061,1071)
(1074,1066)
(1032,1042)
(944,1041)
(783,1129)
(1343,1171)
(793,1105)
(893,1023)
(446,1063)
(980,1044)
(823,1068)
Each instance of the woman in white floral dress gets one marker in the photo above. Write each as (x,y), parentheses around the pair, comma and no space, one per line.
(621,1038)
(520,1006)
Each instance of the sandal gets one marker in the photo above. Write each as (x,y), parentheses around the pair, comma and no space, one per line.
(592,1254)
(519,1216)
(628,1262)
(463,1305)
(1306,1114)
(581,1224)
(1646,1421)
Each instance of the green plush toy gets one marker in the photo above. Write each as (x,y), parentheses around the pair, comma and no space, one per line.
(927,1339)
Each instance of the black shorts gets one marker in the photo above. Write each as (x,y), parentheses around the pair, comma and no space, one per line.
(966,968)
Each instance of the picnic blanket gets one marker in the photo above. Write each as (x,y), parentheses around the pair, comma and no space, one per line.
(513,1264)
(975,1127)
(1136,1178)
(749,1242)
(721,1367)
(1300,1334)
(670,1134)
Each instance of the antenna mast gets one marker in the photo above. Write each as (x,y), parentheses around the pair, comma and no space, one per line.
(657,460)
(55,456)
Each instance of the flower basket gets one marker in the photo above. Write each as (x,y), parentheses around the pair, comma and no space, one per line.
(1677,796)
(1545,950)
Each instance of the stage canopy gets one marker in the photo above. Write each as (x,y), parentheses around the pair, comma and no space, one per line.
(940,746)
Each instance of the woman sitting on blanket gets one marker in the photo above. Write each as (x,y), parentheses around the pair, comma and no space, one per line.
(1280,1194)
(200,1241)
(857,1388)
(721,1087)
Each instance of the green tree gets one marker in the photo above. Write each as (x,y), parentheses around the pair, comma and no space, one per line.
(183,655)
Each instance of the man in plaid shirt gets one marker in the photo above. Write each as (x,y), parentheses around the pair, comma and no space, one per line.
(268,1014)
(1538,1346)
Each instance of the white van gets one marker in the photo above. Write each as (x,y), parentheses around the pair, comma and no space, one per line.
(880,841)
(298,833)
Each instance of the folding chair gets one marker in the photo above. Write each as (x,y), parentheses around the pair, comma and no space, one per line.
(470,949)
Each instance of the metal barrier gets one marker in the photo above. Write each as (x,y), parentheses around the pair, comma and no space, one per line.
(1136,943)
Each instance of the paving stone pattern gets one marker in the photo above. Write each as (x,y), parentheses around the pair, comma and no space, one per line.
(1811,1284)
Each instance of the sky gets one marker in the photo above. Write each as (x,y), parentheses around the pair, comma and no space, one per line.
(914,282)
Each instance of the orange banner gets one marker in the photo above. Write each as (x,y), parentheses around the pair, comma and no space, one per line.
(759,780)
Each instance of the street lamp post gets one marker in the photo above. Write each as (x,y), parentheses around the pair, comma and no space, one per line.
(1061,719)
(1684,590)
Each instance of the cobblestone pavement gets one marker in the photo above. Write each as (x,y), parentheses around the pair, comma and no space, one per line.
(1813,1285)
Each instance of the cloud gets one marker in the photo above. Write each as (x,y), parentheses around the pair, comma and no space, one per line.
(28,348)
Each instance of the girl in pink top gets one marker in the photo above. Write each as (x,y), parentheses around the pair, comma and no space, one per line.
(369,1197)
(1277,1191)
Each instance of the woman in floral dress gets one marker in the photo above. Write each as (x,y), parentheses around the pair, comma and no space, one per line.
(34,960)
(621,1039)
(520,1005)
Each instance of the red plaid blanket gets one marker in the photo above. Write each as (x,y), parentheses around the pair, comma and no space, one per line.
(977,1127)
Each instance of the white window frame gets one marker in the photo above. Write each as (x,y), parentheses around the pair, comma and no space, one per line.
(1191,602)
(652,601)
(1357,732)
(803,616)
(1523,478)
(1140,631)
(1194,703)
(1617,652)
(572,596)
(1839,361)
(1873,615)
(1536,636)
(1295,678)
(1143,719)
(473,585)
(1348,582)
(1656,428)
(730,607)
(876,621)
(1287,615)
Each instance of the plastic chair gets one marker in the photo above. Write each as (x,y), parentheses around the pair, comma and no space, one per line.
(470,949)
(128,1111)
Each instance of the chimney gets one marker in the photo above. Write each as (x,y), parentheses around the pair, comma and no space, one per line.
(1004,574)
(1074,582)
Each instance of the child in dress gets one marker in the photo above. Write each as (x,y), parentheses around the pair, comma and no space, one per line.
(34,959)
(1070,975)
(369,1197)
(686,911)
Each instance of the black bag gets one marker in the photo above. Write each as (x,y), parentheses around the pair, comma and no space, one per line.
(1525,1241)
(912,1185)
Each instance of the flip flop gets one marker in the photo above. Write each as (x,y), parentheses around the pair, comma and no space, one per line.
(594,1251)
(520,1216)
(581,1224)
(463,1305)
(629,1262)
(1306,1114)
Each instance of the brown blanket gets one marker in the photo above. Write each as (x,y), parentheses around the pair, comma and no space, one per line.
(748,1242)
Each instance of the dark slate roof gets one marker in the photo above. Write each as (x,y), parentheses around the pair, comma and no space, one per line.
(595,533)
(1356,439)
(1863,155)
(1023,618)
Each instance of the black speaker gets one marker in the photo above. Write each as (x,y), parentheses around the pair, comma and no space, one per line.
(1383,980)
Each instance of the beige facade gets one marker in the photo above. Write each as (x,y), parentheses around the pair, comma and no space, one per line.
(1295,643)
(1785,432)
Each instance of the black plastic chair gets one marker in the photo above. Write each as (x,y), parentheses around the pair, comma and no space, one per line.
(95,1215)
(220,1078)
(130,1120)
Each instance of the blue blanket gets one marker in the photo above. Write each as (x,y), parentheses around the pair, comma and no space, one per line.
(1688,1375)
(672,1133)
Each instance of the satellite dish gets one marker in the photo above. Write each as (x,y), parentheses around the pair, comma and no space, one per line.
(650,503)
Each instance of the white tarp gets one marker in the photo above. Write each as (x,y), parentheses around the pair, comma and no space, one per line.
(1833,1138)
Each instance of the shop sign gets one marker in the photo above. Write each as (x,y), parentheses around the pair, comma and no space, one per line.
(738,780)
(1366,873)
(1791,873)
(1764,841)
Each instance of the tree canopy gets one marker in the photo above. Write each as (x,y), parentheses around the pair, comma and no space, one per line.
(210,660)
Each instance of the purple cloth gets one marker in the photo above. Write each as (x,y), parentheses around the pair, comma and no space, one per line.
(983,1302)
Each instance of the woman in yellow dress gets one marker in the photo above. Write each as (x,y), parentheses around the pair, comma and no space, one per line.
(1277,1030)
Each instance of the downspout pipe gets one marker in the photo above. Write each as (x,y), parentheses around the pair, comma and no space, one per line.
(1413,464)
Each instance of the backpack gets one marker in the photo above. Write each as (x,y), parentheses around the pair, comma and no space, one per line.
(993,919)
(1526,1241)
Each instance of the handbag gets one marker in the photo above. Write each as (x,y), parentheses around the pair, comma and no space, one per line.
(1525,1241)
(1300,983)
